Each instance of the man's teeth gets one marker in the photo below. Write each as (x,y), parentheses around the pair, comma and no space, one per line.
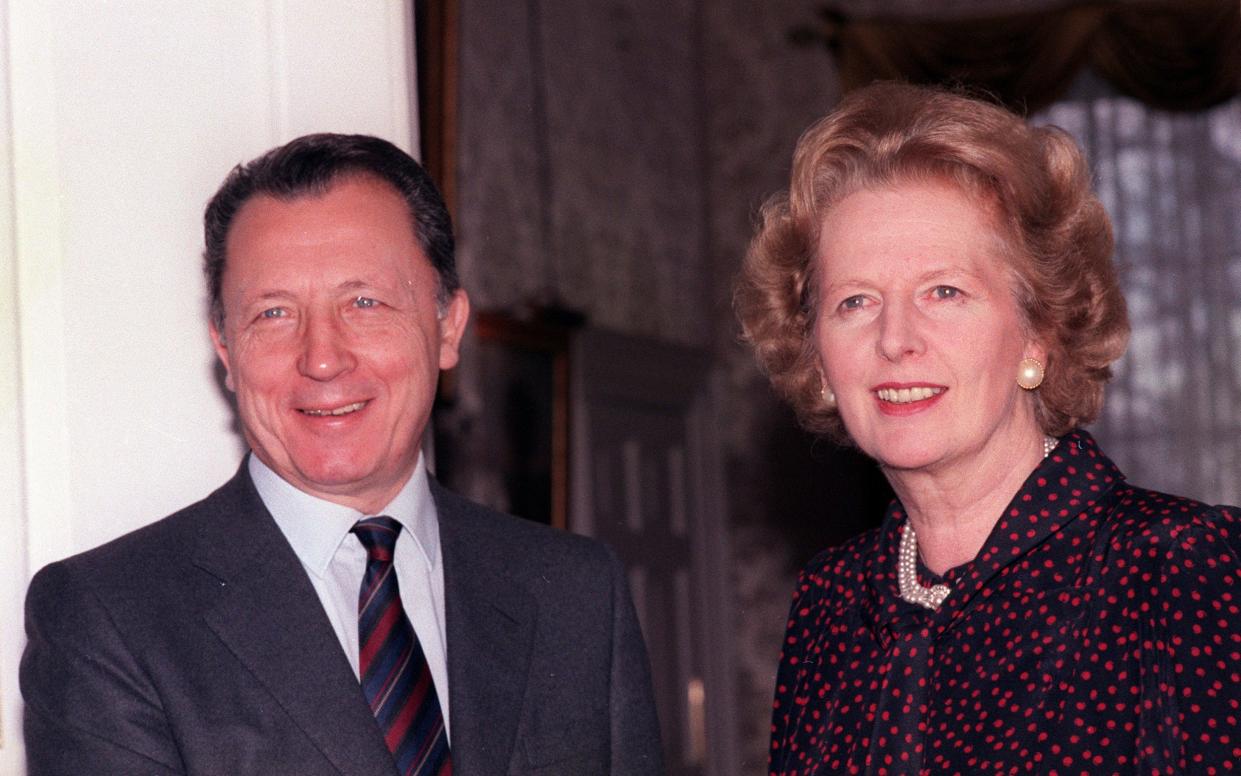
(906,395)
(345,410)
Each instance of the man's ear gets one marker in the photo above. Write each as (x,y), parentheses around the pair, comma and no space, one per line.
(452,328)
(221,350)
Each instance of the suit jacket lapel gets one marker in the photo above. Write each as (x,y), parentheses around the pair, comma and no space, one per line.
(269,615)
(490,622)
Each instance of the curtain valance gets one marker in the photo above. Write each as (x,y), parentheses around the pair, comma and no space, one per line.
(1170,54)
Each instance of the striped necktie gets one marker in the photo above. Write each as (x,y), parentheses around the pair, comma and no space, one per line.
(395,676)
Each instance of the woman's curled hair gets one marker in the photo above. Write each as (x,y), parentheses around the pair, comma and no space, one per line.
(1034,183)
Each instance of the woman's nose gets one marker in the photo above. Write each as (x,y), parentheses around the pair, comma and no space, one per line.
(900,334)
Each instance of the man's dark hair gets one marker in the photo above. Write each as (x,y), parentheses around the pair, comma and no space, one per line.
(309,165)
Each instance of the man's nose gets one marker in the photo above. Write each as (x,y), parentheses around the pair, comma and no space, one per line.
(326,352)
(900,332)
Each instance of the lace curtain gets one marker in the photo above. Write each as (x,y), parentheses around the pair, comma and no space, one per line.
(1172,184)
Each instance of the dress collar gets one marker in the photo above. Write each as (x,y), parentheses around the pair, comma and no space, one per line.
(1073,480)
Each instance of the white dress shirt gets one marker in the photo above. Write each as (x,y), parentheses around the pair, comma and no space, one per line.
(335,560)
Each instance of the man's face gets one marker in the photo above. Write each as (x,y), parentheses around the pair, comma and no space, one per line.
(332,339)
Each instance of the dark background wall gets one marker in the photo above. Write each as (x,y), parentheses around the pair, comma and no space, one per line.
(611,157)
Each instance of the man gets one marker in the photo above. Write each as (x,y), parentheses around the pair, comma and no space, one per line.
(332,609)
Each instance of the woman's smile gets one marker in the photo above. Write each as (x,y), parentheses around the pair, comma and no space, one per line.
(907,399)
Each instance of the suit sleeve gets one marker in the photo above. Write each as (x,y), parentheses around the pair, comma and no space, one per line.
(90,708)
(635,727)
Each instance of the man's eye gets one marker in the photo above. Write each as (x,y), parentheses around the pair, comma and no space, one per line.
(946,292)
(364,302)
(274,312)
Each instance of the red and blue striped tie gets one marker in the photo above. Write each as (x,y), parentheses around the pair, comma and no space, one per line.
(395,676)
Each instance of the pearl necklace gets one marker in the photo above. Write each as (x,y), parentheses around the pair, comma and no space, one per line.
(907,561)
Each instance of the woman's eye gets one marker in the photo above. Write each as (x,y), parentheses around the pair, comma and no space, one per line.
(855,302)
(946,292)
(364,302)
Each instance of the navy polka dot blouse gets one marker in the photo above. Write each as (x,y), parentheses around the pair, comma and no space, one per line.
(1097,631)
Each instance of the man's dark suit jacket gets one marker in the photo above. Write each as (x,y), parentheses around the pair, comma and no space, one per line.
(197,645)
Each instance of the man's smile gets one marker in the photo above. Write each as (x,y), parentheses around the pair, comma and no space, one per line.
(342,410)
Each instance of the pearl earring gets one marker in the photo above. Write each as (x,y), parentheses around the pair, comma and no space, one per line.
(1030,373)
(829,397)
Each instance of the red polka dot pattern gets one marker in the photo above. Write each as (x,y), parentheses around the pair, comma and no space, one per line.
(1097,631)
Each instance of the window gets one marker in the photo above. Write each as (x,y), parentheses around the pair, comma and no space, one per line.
(1172,184)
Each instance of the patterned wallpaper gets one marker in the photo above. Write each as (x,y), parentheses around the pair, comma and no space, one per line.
(580,176)
(762,93)
(611,158)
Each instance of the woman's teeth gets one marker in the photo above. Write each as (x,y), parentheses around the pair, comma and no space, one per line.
(906,395)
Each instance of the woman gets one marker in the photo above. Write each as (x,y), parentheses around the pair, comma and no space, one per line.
(936,287)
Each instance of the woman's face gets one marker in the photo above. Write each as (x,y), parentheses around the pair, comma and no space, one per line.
(918,330)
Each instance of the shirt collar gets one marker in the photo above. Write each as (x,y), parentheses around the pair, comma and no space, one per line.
(315,527)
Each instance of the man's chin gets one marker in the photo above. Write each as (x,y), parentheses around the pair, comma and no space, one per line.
(345,482)
(327,477)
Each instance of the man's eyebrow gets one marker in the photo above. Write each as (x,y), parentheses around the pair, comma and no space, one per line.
(268,296)
(355,285)
(277,293)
